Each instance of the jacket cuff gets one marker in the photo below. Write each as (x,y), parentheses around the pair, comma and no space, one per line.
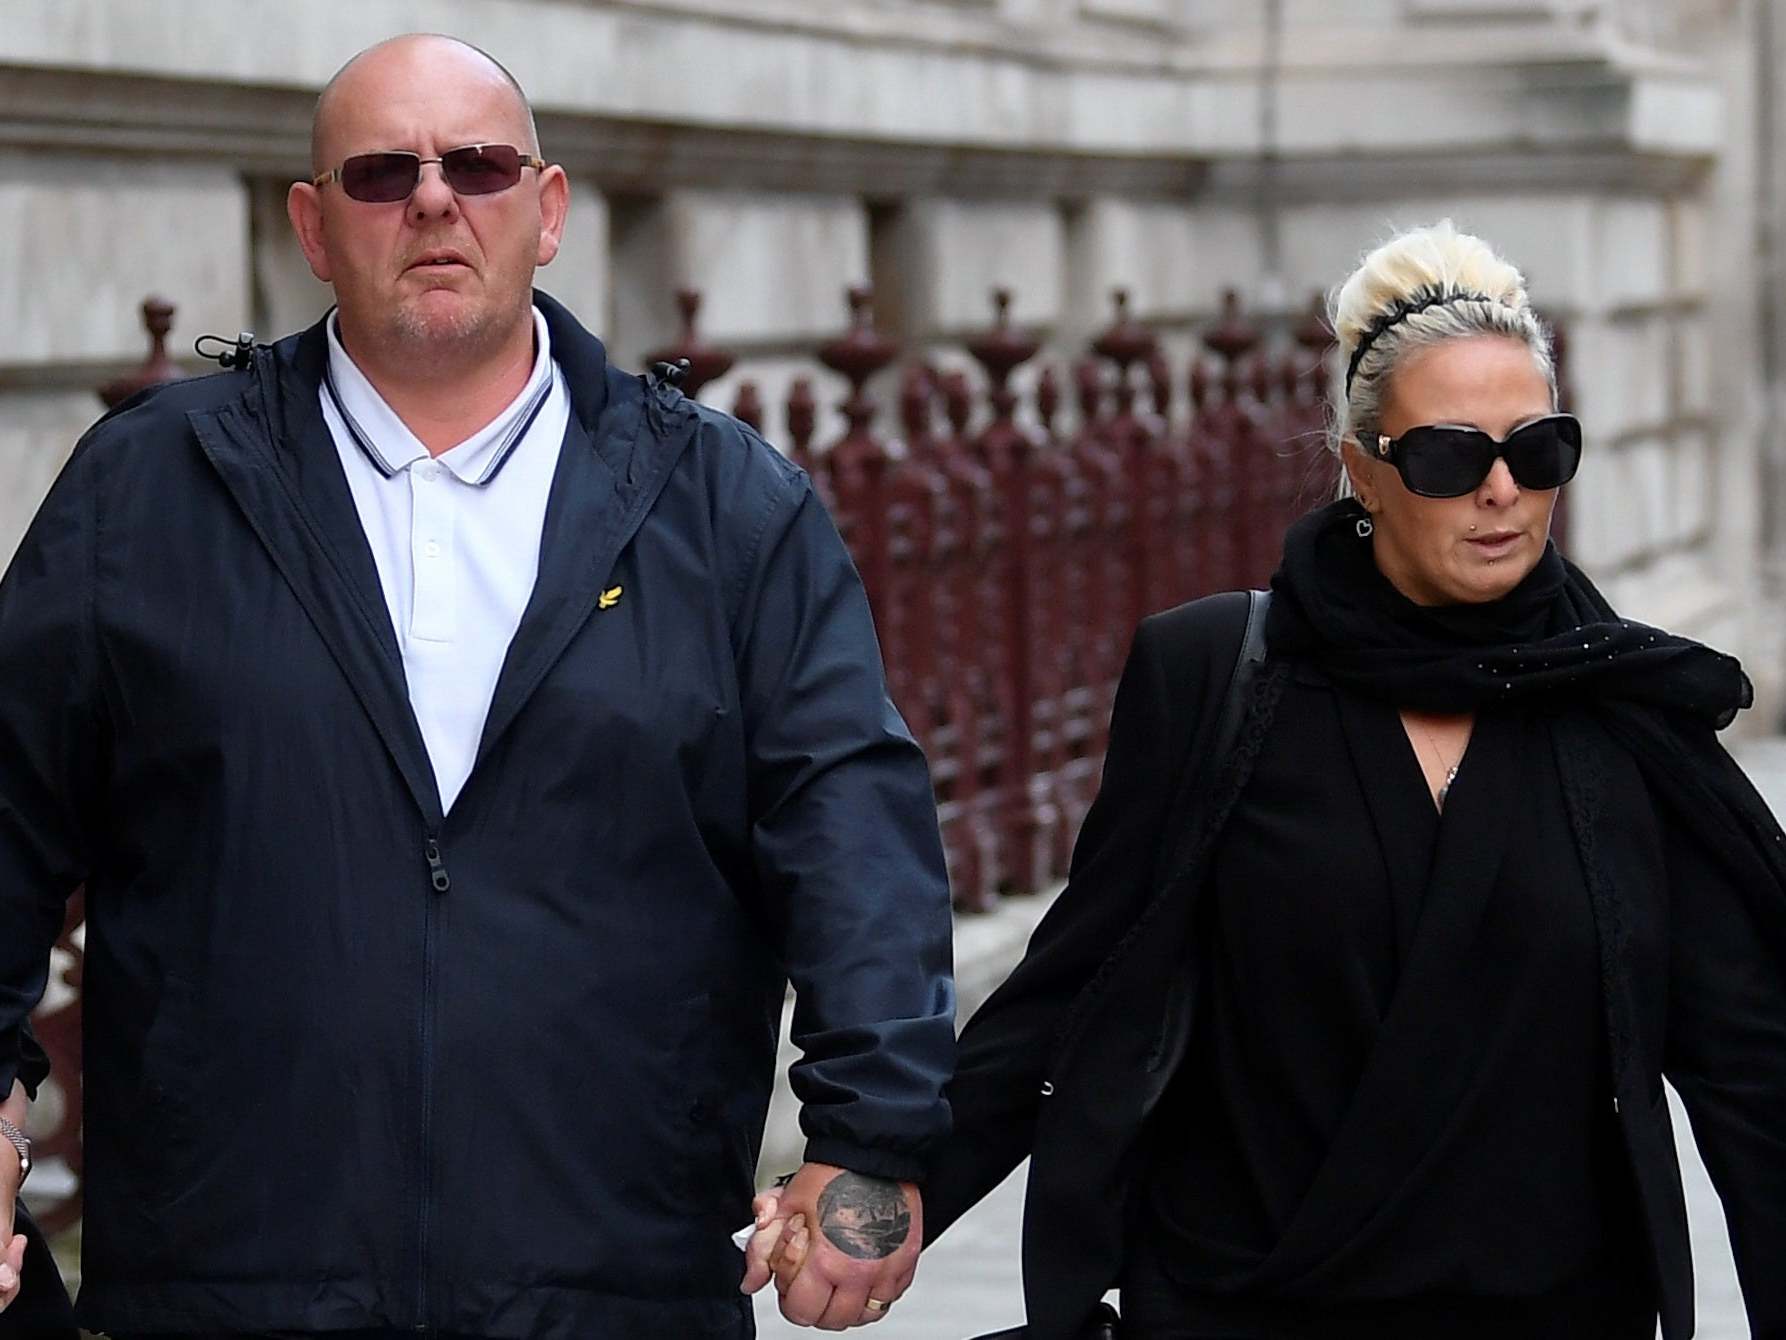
(33,1067)
(865,1160)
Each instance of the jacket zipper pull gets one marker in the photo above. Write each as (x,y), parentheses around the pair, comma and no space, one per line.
(437,871)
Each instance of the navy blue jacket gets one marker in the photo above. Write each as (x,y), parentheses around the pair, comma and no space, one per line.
(351,1062)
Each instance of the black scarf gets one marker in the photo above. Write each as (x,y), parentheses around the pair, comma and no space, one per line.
(1552,637)
(1553,642)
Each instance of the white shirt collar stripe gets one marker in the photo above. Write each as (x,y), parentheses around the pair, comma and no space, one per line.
(516,432)
(373,456)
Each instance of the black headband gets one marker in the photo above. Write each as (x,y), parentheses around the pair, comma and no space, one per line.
(1402,309)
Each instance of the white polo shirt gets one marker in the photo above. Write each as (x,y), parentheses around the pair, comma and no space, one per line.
(456,538)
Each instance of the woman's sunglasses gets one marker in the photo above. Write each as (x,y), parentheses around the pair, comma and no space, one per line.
(1441,460)
(384,178)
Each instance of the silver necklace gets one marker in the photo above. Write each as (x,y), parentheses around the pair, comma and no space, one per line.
(1450,772)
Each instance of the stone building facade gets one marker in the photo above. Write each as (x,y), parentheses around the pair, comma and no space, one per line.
(770,152)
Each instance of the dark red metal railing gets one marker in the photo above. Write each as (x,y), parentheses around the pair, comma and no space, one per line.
(1009,554)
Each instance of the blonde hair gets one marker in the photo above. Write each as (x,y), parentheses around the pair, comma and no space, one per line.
(1421,288)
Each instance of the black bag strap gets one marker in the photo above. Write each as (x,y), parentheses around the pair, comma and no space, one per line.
(1240,682)
(1200,775)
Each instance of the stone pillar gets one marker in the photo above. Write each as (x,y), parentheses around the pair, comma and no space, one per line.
(948,253)
(769,268)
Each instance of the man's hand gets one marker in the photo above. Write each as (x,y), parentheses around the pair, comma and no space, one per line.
(12,1245)
(841,1246)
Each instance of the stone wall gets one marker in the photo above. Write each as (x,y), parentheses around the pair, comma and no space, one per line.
(770,152)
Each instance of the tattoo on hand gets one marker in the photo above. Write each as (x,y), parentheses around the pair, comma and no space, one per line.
(864,1217)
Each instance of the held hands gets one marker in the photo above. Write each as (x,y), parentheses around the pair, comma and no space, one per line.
(12,1245)
(840,1246)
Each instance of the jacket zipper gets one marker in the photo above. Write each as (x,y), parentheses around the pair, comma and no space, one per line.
(437,871)
(439,881)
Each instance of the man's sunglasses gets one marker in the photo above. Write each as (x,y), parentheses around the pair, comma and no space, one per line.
(383,178)
(1441,460)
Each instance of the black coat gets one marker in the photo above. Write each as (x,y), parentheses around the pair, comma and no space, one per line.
(351,1062)
(1069,1056)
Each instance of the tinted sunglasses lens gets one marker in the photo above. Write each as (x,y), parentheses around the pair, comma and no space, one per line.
(1546,454)
(1445,462)
(481,169)
(378,179)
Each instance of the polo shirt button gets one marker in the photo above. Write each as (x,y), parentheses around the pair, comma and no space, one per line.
(432,549)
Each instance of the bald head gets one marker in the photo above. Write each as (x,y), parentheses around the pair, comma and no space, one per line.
(378,70)
(432,272)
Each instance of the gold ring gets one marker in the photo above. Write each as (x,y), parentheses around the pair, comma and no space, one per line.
(876,1305)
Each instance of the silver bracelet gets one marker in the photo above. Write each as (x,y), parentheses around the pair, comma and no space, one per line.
(21,1142)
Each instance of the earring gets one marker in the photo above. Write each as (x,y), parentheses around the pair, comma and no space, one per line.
(1364,527)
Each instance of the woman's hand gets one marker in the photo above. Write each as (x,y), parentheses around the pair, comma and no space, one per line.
(769,1253)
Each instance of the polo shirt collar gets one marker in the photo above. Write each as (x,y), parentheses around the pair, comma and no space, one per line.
(388,445)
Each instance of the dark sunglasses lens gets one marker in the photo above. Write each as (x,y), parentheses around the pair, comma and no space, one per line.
(482,169)
(1546,454)
(378,179)
(1445,462)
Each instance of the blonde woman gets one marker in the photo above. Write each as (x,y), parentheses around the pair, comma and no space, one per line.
(1360,1030)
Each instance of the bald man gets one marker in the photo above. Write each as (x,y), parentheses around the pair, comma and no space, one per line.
(462,743)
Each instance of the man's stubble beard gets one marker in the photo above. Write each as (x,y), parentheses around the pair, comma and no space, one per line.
(461,338)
